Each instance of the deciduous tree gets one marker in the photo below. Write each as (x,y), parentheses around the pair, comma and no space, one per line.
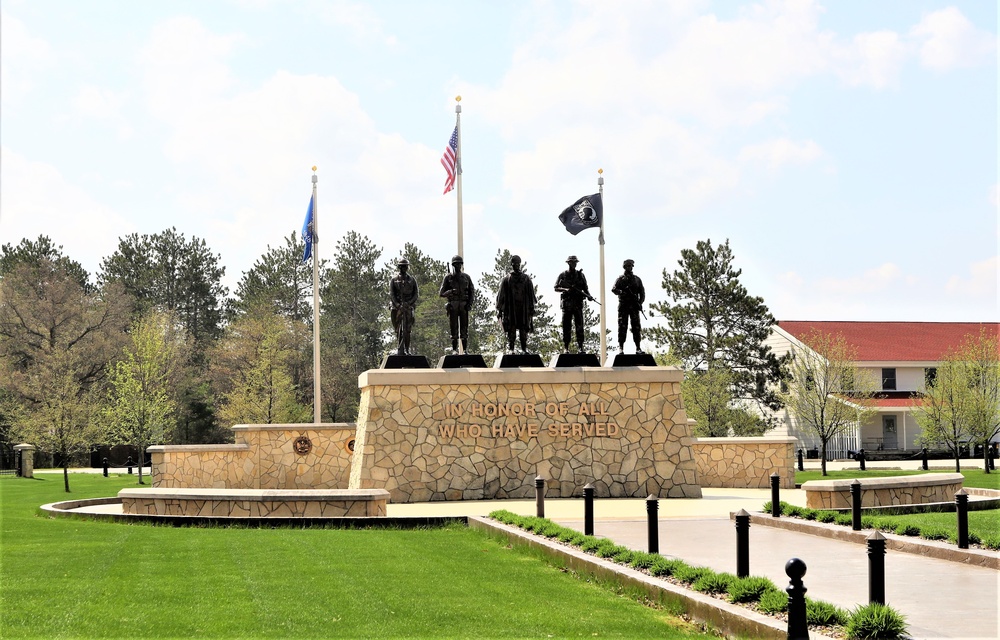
(828,394)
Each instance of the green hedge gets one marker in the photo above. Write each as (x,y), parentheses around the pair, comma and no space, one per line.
(752,589)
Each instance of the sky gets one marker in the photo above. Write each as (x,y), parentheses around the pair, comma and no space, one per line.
(847,150)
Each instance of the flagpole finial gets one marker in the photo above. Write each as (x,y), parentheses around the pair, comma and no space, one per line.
(314,168)
(600,176)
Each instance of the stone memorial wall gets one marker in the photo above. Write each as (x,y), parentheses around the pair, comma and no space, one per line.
(745,463)
(472,434)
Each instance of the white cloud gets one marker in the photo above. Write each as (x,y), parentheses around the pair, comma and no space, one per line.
(873,59)
(873,280)
(22,55)
(981,282)
(46,203)
(948,40)
(781,151)
(361,19)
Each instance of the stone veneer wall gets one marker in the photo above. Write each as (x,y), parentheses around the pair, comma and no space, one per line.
(745,463)
(262,458)
(485,433)
(880,492)
(248,503)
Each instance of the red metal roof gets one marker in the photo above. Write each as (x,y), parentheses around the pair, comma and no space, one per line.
(892,341)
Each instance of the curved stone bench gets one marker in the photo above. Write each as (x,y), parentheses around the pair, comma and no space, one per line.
(881,492)
(255,503)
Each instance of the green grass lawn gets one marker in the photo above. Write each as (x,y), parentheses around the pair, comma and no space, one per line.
(984,524)
(62,577)
(973,477)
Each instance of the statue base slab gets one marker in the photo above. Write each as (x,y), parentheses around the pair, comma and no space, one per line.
(461,361)
(634,360)
(396,361)
(518,360)
(575,360)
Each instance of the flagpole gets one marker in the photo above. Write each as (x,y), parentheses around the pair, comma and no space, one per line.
(458,170)
(317,400)
(600,239)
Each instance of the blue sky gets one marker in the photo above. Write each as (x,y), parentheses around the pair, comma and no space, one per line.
(848,150)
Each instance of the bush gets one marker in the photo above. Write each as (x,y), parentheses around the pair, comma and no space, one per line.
(934,534)
(875,621)
(809,514)
(749,589)
(907,530)
(662,567)
(845,519)
(766,507)
(992,542)
(643,560)
(688,574)
(713,582)
(610,550)
(504,516)
(868,522)
(826,516)
(569,536)
(589,544)
(792,511)
(824,614)
(773,601)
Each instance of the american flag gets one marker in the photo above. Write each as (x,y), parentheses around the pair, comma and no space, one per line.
(448,160)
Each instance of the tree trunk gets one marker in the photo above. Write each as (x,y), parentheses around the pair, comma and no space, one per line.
(66,473)
(958,459)
(986,457)
(822,456)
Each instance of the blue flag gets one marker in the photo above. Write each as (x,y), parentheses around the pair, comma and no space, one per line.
(307,232)
(585,213)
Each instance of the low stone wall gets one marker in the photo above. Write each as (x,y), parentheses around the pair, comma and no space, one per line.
(745,463)
(473,434)
(878,492)
(251,503)
(265,456)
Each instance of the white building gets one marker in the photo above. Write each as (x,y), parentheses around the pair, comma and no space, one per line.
(905,355)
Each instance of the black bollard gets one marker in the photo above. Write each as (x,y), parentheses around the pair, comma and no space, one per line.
(856,505)
(861,458)
(105,467)
(540,496)
(588,509)
(876,567)
(775,495)
(742,543)
(923,459)
(652,523)
(129,463)
(798,626)
(962,508)
(802,466)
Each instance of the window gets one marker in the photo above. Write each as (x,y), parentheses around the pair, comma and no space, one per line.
(888,379)
(930,375)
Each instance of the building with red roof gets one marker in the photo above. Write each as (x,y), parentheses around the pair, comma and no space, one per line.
(904,355)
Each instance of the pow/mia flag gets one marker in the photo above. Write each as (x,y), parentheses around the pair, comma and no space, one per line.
(585,213)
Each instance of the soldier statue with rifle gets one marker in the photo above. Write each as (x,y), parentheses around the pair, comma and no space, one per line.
(631,295)
(572,285)
(458,289)
(403,295)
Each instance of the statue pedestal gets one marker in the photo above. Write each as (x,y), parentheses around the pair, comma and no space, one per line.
(518,360)
(484,434)
(395,361)
(461,361)
(634,360)
(575,360)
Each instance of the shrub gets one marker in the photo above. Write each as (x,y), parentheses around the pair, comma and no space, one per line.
(643,560)
(826,516)
(992,542)
(868,522)
(713,582)
(569,536)
(766,507)
(589,544)
(809,514)
(688,574)
(792,511)
(609,550)
(624,557)
(504,516)
(663,567)
(876,621)
(907,530)
(844,519)
(749,589)
(824,614)
(931,533)
(773,601)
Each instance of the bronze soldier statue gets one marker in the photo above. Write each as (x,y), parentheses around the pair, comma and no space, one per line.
(572,284)
(457,288)
(516,305)
(403,295)
(631,295)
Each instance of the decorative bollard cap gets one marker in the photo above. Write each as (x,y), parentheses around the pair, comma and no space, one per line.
(795,569)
